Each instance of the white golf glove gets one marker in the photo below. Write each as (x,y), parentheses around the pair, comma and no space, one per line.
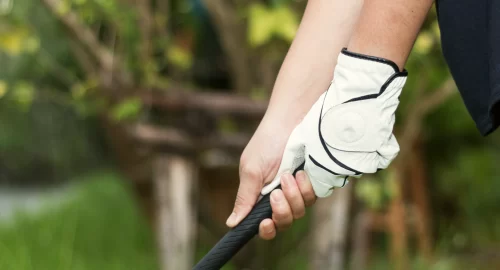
(348,131)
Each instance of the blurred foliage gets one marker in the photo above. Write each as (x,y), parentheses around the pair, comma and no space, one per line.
(126,110)
(99,227)
(180,57)
(49,125)
(265,23)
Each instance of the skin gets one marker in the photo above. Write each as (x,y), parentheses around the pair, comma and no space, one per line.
(388,29)
(383,28)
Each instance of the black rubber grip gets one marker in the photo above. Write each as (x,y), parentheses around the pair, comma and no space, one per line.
(237,237)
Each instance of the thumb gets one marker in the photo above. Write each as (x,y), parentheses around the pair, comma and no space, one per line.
(248,193)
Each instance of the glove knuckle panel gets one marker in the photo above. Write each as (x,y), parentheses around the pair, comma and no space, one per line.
(353,127)
(323,179)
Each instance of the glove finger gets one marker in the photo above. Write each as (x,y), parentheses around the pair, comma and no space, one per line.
(323,179)
(388,152)
(365,162)
(293,157)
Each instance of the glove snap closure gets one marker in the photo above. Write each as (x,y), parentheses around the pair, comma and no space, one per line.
(352,127)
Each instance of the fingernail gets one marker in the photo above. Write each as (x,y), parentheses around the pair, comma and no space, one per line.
(275,197)
(270,230)
(231,221)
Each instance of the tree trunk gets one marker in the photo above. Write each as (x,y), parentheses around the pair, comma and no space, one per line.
(175,182)
(330,228)
(361,240)
(418,178)
(397,224)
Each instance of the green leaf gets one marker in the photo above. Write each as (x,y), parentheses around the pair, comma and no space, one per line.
(424,43)
(15,40)
(370,191)
(286,23)
(24,94)
(391,184)
(11,41)
(31,44)
(128,109)
(109,6)
(3,88)
(78,91)
(261,23)
(180,57)
(79,2)
(87,13)
(63,7)
(435,29)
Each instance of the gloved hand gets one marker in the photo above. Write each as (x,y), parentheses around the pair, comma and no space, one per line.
(348,131)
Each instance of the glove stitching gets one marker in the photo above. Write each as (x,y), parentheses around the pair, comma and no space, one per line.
(371,58)
(382,89)
(326,148)
(322,166)
(345,181)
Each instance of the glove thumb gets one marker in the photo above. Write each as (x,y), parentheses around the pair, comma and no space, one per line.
(293,157)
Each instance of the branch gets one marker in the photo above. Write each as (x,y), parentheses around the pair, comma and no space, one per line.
(146,25)
(89,66)
(212,102)
(422,108)
(158,136)
(433,100)
(81,33)
(86,39)
(162,18)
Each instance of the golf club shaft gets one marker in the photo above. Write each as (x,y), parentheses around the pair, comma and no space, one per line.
(237,237)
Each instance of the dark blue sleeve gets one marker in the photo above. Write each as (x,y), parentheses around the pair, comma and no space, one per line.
(470,38)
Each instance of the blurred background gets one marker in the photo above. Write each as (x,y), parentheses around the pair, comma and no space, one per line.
(122,122)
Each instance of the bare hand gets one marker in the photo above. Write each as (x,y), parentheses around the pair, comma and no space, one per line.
(258,166)
(288,204)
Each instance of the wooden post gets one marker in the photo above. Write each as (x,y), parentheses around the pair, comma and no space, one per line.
(175,182)
(330,228)
(397,224)
(361,240)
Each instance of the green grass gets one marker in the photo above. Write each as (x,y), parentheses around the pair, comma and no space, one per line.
(98,228)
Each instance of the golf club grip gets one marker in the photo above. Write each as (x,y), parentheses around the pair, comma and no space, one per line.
(236,238)
(239,236)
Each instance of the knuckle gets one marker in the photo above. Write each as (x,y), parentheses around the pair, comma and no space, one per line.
(311,201)
(293,195)
(249,171)
(282,217)
(299,214)
(279,216)
(309,194)
(284,225)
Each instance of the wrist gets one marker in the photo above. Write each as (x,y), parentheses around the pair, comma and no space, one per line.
(287,109)
(284,117)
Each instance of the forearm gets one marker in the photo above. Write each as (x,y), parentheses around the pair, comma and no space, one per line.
(325,29)
(388,28)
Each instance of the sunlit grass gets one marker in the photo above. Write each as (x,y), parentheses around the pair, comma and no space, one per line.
(98,228)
